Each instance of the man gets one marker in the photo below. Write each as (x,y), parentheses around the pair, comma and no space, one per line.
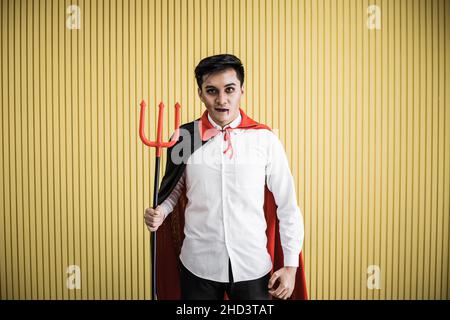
(225,180)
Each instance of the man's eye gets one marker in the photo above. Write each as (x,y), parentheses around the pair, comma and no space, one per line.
(229,90)
(211,91)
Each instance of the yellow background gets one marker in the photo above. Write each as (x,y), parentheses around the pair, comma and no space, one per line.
(364,116)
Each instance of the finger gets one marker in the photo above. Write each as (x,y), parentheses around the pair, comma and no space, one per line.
(149,218)
(276,295)
(153,218)
(289,294)
(149,226)
(155,213)
(284,295)
(153,224)
(275,292)
(150,212)
(272,282)
(280,290)
(148,221)
(147,215)
(273,279)
(158,211)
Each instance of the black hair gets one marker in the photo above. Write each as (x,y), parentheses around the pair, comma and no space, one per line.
(217,63)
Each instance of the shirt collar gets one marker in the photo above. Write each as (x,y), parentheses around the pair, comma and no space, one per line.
(233,124)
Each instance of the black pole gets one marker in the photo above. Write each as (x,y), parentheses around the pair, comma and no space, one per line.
(153,234)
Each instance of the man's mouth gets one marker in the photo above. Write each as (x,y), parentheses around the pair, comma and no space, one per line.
(222,110)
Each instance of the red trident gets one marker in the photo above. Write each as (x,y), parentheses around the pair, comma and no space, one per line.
(158,144)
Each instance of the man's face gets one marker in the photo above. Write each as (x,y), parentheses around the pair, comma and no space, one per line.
(221,93)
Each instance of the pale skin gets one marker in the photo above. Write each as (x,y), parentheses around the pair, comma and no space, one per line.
(221,94)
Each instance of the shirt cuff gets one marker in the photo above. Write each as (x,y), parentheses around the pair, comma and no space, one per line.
(291,260)
(165,209)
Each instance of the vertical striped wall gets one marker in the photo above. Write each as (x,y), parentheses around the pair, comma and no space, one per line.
(364,116)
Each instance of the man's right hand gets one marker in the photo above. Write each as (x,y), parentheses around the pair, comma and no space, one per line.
(154,218)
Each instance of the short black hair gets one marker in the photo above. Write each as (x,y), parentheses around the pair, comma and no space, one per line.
(217,63)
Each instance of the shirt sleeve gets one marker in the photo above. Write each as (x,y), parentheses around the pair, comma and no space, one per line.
(281,183)
(168,204)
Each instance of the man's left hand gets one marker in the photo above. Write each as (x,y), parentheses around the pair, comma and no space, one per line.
(286,277)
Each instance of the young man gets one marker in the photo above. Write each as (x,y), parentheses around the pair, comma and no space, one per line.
(219,190)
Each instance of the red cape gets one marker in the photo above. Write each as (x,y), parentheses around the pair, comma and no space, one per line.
(171,234)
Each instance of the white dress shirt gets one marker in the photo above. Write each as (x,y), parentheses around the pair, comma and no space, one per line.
(224,216)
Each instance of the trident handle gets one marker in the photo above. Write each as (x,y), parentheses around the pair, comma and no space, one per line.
(158,144)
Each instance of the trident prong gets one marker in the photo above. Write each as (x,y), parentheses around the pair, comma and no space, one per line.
(158,144)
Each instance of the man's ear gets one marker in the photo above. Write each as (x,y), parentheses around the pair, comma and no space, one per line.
(199,90)
(242,90)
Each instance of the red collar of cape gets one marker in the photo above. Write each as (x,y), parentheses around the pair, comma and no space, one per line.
(170,235)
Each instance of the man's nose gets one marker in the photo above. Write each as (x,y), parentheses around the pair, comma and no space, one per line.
(221,98)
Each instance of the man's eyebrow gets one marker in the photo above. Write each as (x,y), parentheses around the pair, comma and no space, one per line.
(227,85)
